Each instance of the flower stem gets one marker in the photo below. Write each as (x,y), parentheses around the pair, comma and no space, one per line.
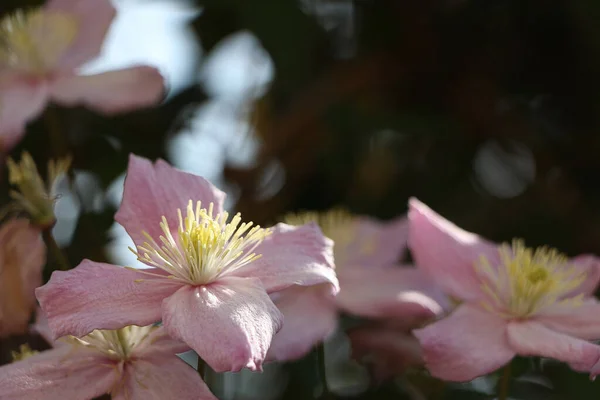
(504,383)
(57,253)
(321,368)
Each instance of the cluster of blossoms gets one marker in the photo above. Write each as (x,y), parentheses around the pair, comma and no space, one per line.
(235,293)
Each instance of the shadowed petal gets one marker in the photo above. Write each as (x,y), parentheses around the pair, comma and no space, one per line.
(582,321)
(531,338)
(102,296)
(591,266)
(159,343)
(154,190)
(385,292)
(446,252)
(111,92)
(94,17)
(468,343)
(293,256)
(22,257)
(310,316)
(375,242)
(58,374)
(21,100)
(160,378)
(229,323)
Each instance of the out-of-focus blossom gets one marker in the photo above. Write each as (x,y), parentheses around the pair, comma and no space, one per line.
(22,257)
(132,363)
(514,300)
(210,276)
(40,51)
(33,195)
(371,285)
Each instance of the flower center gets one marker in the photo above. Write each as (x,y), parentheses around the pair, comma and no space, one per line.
(116,344)
(34,41)
(205,247)
(337,224)
(528,280)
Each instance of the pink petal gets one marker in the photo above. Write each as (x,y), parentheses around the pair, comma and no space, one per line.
(22,257)
(531,338)
(22,99)
(58,374)
(591,266)
(581,321)
(152,191)
(385,292)
(375,243)
(446,252)
(293,256)
(391,351)
(467,344)
(94,17)
(229,323)
(309,315)
(102,296)
(161,378)
(158,344)
(111,92)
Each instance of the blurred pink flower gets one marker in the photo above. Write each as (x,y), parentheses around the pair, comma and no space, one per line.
(132,363)
(210,277)
(372,286)
(40,51)
(22,257)
(514,300)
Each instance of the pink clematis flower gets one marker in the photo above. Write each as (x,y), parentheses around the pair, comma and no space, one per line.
(132,363)
(514,300)
(365,252)
(22,257)
(210,278)
(40,51)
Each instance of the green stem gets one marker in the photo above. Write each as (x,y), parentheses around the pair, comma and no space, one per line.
(55,250)
(201,368)
(321,368)
(504,384)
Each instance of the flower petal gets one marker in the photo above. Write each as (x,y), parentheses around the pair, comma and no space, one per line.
(110,92)
(310,316)
(22,257)
(293,256)
(159,343)
(159,378)
(102,296)
(385,292)
(156,190)
(468,343)
(531,338)
(591,266)
(21,100)
(57,374)
(229,323)
(375,242)
(94,17)
(582,321)
(446,252)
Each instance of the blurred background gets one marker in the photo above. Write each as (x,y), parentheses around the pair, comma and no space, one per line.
(486,110)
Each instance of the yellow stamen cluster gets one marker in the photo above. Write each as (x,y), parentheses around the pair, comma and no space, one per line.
(337,224)
(35,40)
(33,195)
(116,344)
(528,280)
(206,245)
(23,353)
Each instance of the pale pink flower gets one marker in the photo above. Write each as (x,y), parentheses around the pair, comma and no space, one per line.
(372,286)
(132,363)
(22,257)
(40,51)
(514,300)
(210,278)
